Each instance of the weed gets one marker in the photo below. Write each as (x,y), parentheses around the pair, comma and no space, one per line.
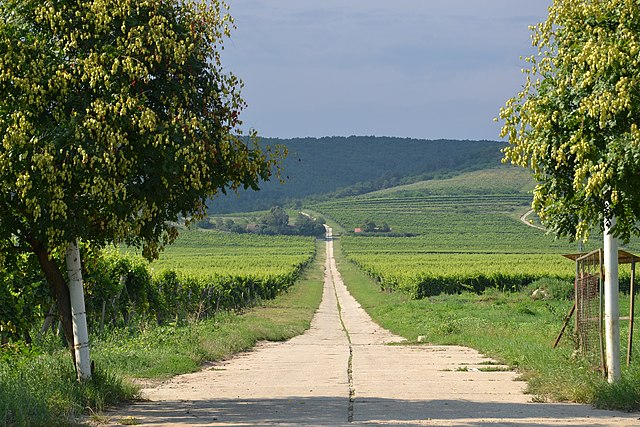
(129,421)
(494,369)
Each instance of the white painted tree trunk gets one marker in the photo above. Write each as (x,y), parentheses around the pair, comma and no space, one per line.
(611,301)
(78,312)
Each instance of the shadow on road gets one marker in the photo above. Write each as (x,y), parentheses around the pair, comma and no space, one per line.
(330,411)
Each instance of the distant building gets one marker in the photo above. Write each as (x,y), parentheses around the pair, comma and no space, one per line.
(357,230)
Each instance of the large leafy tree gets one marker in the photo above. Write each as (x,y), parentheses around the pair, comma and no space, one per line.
(576,121)
(116,117)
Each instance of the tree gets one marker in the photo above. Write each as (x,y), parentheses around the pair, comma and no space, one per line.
(275,222)
(575,124)
(368,226)
(576,121)
(305,225)
(117,117)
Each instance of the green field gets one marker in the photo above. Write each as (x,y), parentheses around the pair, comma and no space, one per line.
(451,235)
(204,253)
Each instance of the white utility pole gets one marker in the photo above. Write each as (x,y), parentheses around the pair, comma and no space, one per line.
(611,300)
(78,312)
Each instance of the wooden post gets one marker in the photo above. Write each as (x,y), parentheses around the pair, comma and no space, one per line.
(564,326)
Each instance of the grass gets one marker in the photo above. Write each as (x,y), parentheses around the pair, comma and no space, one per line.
(41,389)
(172,350)
(512,328)
(38,385)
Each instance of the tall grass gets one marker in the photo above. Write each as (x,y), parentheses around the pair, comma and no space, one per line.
(41,389)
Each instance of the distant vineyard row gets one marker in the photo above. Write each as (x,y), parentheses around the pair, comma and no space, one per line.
(428,274)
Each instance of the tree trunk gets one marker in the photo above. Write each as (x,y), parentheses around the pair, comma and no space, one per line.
(59,290)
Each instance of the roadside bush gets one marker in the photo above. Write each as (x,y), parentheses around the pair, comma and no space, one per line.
(24,297)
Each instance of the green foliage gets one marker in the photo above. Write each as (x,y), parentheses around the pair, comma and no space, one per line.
(276,221)
(116,118)
(423,274)
(307,226)
(334,167)
(554,288)
(195,278)
(575,122)
(24,296)
(622,395)
(203,254)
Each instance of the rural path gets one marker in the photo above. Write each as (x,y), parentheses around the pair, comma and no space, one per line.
(524,218)
(342,372)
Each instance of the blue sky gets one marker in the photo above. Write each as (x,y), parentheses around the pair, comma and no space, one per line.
(408,68)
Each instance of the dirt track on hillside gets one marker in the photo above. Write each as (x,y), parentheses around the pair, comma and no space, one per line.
(342,372)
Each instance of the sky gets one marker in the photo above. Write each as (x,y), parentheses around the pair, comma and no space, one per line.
(408,68)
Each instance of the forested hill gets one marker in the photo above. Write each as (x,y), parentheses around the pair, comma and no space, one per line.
(342,166)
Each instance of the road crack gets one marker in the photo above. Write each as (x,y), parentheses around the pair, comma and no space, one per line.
(334,276)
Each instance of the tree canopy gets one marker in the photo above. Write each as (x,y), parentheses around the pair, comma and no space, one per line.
(575,122)
(116,118)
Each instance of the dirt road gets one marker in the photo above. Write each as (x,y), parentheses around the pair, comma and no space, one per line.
(342,372)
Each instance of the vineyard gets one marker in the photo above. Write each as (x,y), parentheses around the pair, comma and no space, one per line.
(452,235)
(202,273)
(203,253)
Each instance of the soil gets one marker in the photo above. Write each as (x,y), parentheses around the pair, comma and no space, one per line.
(343,371)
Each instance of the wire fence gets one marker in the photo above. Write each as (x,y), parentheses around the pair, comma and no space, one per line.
(589,317)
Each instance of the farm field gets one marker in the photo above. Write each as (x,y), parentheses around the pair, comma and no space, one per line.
(450,235)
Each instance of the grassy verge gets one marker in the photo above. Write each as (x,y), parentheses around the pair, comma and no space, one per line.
(38,386)
(510,327)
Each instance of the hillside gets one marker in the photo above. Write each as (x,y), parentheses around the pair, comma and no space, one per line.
(476,211)
(496,180)
(343,166)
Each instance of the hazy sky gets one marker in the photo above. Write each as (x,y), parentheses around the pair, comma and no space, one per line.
(408,68)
